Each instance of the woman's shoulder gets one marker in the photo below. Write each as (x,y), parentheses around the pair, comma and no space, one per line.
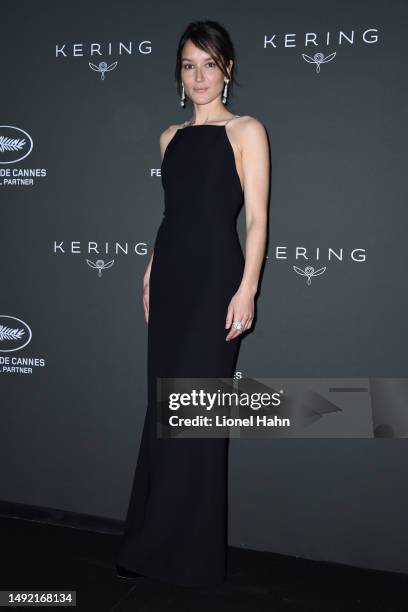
(248,122)
(247,131)
(171,129)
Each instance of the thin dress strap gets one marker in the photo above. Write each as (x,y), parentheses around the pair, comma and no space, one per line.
(231,118)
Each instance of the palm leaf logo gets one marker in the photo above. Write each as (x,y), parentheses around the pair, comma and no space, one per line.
(15,144)
(8,333)
(11,144)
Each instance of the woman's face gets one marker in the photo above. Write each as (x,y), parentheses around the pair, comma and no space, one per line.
(203,80)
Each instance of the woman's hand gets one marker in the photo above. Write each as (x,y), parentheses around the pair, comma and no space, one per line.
(241,308)
(146,286)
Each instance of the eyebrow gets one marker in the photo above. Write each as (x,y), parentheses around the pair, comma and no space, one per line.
(190,60)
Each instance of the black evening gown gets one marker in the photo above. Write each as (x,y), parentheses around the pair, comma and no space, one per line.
(176,524)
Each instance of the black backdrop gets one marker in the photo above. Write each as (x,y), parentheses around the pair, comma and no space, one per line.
(81,201)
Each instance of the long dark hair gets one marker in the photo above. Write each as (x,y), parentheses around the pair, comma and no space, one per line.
(212,37)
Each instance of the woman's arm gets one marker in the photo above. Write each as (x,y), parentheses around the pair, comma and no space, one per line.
(255,164)
(164,140)
(146,287)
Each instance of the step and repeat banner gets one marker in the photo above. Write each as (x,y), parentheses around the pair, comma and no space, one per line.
(87,89)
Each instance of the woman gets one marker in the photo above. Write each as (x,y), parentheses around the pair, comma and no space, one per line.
(197,285)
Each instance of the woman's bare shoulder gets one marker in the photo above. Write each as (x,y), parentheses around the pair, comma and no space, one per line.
(169,131)
(247,133)
(248,123)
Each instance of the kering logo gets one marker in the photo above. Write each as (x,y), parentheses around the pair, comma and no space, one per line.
(300,252)
(67,50)
(77,248)
(102,67)
(318,59)
(64,50)
(309,271)
(369,36)
(15,334)
(100,265)
(15,144)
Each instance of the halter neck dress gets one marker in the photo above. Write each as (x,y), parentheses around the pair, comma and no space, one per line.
(176,524)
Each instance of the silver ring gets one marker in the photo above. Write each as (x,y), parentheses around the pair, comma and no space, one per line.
(237,324)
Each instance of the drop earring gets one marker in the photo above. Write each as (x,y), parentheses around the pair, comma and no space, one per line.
(183,96)
(225,92)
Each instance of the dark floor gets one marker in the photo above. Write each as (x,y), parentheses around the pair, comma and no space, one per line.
(42,556)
